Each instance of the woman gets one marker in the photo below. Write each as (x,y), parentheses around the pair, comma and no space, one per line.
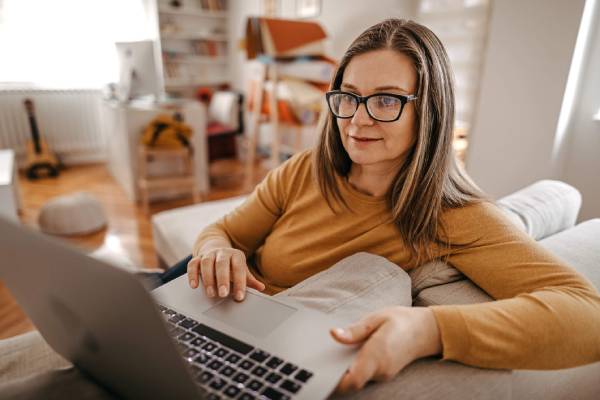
(383,179)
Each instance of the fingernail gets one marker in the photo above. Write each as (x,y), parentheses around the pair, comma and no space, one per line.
(210,292)
(342,333)
(223,291)
(193,283)
(239,296)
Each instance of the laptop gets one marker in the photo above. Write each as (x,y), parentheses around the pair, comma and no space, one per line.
(173,342)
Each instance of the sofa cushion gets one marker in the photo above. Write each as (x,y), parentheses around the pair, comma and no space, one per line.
(175,231)
(580,248)
(543,208)
(460,292)
(354,287)
(431,378)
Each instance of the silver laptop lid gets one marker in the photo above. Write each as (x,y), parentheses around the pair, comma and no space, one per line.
(93,314)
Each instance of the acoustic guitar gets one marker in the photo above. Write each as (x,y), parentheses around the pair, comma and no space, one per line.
(39,157)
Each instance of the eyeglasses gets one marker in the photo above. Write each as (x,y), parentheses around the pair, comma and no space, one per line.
(383,107)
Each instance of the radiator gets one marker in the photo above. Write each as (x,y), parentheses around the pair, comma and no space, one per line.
(69,120)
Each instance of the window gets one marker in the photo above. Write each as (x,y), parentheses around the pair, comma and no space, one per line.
(66,43)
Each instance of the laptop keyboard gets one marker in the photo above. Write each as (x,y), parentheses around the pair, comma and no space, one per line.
(227,368)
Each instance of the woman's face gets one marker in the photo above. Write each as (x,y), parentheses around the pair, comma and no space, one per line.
(367,141)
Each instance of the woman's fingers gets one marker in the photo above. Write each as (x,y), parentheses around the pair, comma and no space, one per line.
(359,331)
(363,368)
(192,272)
(238,271)
(223,271)
(222,266)
(254,283)
(207,271)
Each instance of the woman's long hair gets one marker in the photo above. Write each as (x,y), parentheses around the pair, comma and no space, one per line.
(430,180)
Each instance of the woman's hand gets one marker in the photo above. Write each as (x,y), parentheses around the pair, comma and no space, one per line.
(219,268)
(393,338)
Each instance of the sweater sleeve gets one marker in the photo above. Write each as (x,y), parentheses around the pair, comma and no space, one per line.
(547,315)
(248,225)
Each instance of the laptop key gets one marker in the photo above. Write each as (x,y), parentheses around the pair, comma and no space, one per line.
(225,340)
(232,391)
(186,337)
(169,312)
(228,371)
(303,375)
(176,318)
(274,394)
(190,353)
(274,362)
(246,365)
(259,355)
(209,346)
(290,386)
(259,371)
(215,364)
(288,368)
(213,396)
(247,396)
(175,332)
(255,385)
(273,377)
(233,358)
(220,352)
(204,377)
(188,323)
(198,341)
(240,377)
(202,358)
(218,383)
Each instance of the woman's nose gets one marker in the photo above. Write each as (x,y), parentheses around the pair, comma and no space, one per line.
(361,117)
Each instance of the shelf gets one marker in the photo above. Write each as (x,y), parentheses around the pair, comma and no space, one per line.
(194,36)
(193,12)
(182,83)
(197,60)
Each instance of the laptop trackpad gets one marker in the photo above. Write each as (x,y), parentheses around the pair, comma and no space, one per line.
(255,315)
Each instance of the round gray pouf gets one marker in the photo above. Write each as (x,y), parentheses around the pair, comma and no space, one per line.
(73,214)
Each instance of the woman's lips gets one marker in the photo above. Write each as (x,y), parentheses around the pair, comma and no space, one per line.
(364,139)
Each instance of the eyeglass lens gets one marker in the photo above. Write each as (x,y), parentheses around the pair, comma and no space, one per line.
(381,107)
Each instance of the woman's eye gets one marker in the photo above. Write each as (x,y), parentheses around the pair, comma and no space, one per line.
(346,98)
(387,101)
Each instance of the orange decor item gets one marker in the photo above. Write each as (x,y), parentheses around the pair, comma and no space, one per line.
(283,37)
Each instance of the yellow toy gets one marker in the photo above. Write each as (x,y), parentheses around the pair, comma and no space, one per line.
(167,132)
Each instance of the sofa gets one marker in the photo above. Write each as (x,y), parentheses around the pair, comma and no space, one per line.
(547,210)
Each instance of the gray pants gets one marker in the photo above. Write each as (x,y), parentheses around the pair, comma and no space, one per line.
(353,287)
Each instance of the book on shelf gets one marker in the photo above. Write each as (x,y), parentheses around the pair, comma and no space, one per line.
(213,5)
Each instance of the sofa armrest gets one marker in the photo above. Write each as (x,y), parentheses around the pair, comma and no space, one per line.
(543,208)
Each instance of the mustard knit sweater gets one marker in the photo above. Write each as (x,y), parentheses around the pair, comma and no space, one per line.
(547,316)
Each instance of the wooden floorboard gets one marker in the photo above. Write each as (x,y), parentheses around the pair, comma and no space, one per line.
(129,229)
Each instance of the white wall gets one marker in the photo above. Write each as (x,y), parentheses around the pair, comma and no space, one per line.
(530,46)
(582,163)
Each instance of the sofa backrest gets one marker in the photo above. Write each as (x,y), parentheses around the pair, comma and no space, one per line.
(542,209)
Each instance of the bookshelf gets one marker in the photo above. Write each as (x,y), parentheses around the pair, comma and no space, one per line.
(191,44)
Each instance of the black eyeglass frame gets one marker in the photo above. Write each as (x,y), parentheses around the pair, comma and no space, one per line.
(363,99)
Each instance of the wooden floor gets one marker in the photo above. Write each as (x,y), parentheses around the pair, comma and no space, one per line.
(129,230)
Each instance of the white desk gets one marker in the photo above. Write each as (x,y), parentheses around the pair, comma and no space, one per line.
(10,202)
(124,124)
